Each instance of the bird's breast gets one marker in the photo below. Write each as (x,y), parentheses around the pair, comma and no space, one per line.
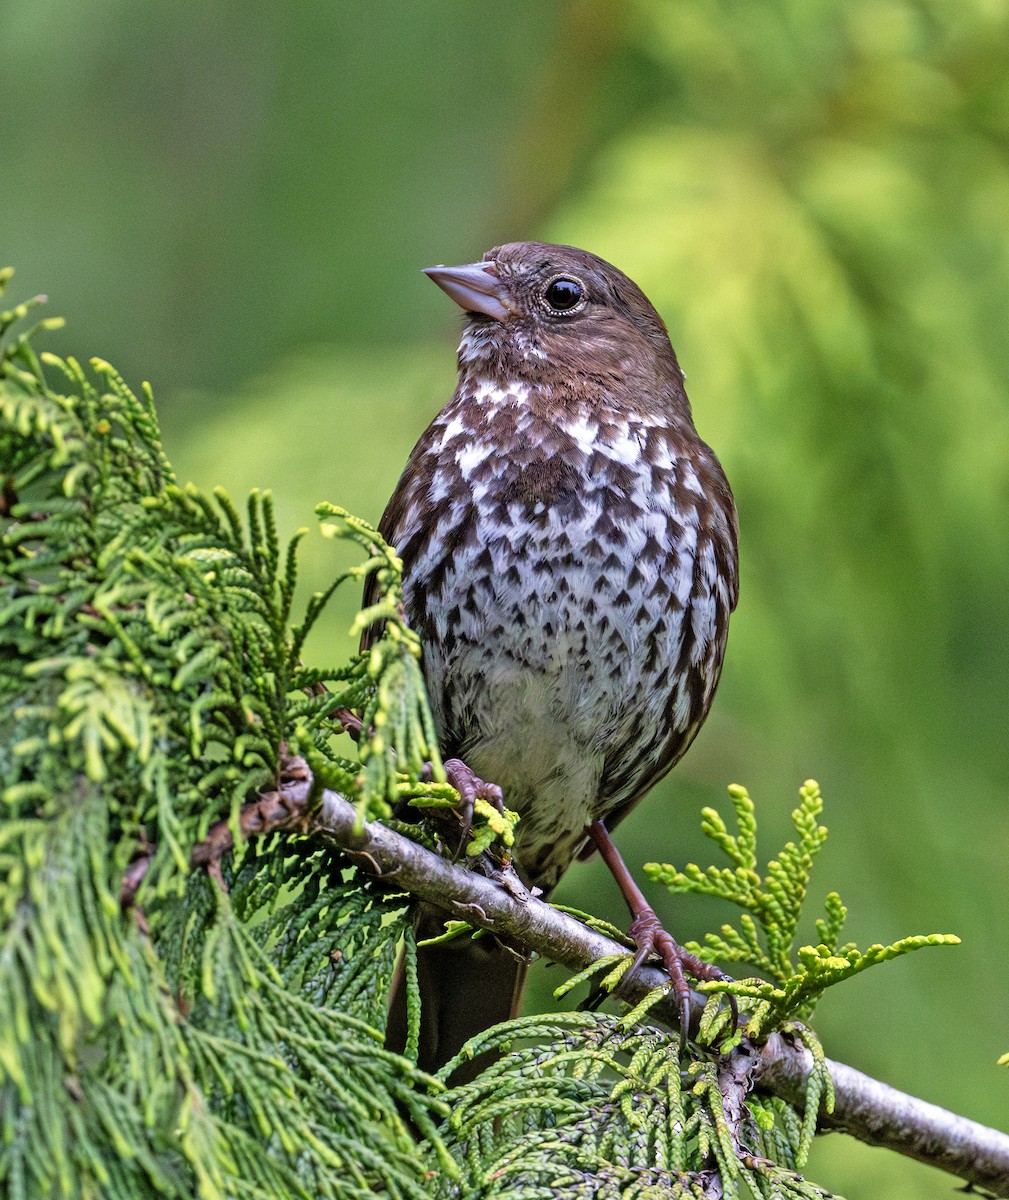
(569,550)
(561,564)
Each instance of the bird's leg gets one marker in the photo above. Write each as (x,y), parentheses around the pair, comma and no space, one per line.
(647,932)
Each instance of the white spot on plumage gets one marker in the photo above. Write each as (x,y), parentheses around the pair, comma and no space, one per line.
(689,480)
(583,431)
(492,394)
(472,456)
(452,429)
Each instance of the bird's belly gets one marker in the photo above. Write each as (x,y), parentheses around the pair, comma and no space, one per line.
(547,766)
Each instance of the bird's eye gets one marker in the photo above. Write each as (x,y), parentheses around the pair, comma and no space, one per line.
(562,295)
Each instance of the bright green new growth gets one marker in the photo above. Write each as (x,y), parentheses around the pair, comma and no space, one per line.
(206,1042)
(795,979)
(772,904)
(218,1033)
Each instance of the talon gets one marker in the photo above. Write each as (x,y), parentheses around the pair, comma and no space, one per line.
(650,937)
(470,788)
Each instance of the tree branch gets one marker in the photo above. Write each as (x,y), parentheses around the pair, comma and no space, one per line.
(868,1110)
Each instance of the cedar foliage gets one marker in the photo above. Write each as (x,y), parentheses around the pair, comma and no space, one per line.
(212,1041)
(218,1033)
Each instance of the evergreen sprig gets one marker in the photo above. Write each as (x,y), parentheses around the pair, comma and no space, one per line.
(209,1038)
(765,935)
(582,1105)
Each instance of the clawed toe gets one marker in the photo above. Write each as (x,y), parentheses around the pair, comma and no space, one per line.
(471,788)
(650,937)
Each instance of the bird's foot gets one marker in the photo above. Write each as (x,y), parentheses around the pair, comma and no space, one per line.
(650,937)
(471,788)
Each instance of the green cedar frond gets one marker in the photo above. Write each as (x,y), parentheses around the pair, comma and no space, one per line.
(766,932)
(199,1041)
(581,1105)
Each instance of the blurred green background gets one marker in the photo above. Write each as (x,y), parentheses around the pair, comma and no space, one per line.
(234,200)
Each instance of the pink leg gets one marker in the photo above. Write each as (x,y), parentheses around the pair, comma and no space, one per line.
(648,934)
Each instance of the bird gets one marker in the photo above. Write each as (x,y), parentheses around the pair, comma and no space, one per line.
(569,548)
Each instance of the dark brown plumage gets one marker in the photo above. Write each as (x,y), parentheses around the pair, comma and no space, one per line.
(570,561)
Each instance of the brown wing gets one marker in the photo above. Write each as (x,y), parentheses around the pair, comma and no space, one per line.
(396,520)
(723,530)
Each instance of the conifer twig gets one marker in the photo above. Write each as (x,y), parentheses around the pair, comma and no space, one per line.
(881,1115)
(865,1108)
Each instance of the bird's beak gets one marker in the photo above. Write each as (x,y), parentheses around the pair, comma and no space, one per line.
(476,287)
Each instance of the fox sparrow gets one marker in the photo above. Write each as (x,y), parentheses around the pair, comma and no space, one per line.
(569,550)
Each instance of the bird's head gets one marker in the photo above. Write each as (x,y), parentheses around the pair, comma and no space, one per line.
(542,311)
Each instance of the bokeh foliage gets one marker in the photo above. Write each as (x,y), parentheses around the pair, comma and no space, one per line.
(815,198)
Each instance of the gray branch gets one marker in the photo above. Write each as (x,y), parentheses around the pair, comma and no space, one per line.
(868,1110)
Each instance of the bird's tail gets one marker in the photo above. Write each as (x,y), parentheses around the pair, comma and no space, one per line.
(466,985)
